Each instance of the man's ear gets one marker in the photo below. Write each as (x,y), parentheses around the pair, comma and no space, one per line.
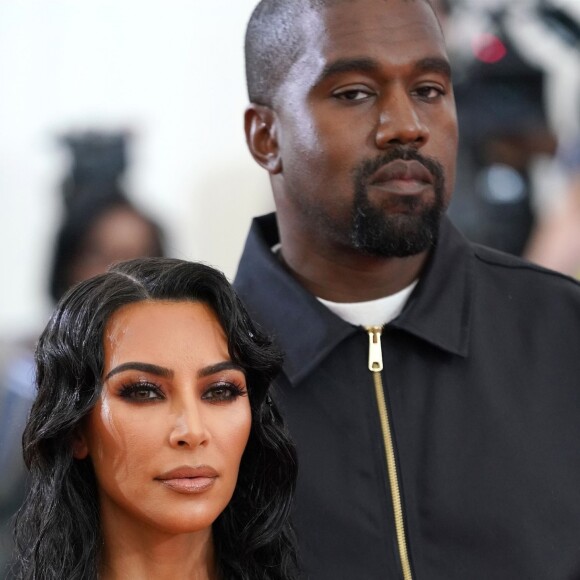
(80,447)
(261,126)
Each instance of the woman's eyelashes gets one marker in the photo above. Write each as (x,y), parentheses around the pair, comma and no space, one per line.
(141,391)
(147,392)
(223,392)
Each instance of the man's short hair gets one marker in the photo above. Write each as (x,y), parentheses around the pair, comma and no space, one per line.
(273,42)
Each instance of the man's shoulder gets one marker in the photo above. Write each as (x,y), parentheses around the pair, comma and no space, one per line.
(516,272)
(501,260)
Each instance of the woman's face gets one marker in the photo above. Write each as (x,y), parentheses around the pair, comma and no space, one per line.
(167,435)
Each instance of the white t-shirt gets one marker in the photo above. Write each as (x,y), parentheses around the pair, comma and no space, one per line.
(374,312)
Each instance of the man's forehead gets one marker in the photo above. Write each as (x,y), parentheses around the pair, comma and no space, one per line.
(361,29)
(312,7)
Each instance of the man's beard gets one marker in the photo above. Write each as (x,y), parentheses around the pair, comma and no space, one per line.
(376,233)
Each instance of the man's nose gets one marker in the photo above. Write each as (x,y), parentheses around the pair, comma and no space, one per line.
(188,425)
(400,122)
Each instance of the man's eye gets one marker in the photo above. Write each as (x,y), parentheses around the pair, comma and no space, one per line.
(429,92)
(141,392)
(223,392)
(352,95)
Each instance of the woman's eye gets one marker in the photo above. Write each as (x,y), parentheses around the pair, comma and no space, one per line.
(142,392)
(223,392)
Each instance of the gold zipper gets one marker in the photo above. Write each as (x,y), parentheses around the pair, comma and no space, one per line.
(376,366)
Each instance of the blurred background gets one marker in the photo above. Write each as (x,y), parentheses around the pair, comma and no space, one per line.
(517,88)
(121,134)
(171,76)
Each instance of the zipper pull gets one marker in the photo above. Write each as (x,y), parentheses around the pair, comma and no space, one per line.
(375,351)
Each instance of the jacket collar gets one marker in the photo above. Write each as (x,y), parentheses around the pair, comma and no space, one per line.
(438,311)
(440,308)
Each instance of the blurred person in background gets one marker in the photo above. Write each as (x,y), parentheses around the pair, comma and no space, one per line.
(97,232)
(503,129)
(517,86)
(100,226)
(503,122)
(556,241)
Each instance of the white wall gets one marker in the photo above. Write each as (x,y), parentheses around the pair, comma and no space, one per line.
(172,72)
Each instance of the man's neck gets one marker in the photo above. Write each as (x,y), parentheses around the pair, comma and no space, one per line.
(348,276)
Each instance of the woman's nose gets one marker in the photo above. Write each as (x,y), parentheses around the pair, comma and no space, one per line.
(188,427)
(400,122)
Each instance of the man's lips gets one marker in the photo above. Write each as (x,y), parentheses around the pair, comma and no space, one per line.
(402,177)
(189,479)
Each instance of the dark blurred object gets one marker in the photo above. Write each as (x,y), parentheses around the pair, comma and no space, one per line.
(560,22)
(503,127)
(500,94)
(99,161)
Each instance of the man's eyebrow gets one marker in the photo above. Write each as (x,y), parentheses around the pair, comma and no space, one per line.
(346,65)
(434,64)
(226,365)
(141,366)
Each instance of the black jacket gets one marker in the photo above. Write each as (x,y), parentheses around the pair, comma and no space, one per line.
(482,384)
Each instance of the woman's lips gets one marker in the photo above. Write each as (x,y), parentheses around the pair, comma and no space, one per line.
(189,479)
(189,485)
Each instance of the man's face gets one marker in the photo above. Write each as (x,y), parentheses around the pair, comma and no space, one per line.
(367,130)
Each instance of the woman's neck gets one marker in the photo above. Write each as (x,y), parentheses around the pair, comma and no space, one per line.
(150,554)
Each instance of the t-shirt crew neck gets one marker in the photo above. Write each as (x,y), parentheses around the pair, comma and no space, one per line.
(373,312)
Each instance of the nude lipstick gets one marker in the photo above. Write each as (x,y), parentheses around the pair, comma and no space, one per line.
(189,480)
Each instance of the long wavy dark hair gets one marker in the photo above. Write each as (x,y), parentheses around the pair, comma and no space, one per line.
(57,531)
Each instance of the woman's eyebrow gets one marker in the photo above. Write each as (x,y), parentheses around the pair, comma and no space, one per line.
(168,373)
(141,366)
(226,365)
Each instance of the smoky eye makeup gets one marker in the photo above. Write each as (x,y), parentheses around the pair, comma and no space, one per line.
(223,387)
(224,391)
(141,392)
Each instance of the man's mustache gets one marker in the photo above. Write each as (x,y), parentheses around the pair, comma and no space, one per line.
(370,166)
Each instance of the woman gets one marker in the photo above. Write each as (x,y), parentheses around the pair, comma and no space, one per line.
(96,231)
(153,446)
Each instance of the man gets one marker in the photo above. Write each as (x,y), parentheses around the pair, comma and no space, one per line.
(432,386)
